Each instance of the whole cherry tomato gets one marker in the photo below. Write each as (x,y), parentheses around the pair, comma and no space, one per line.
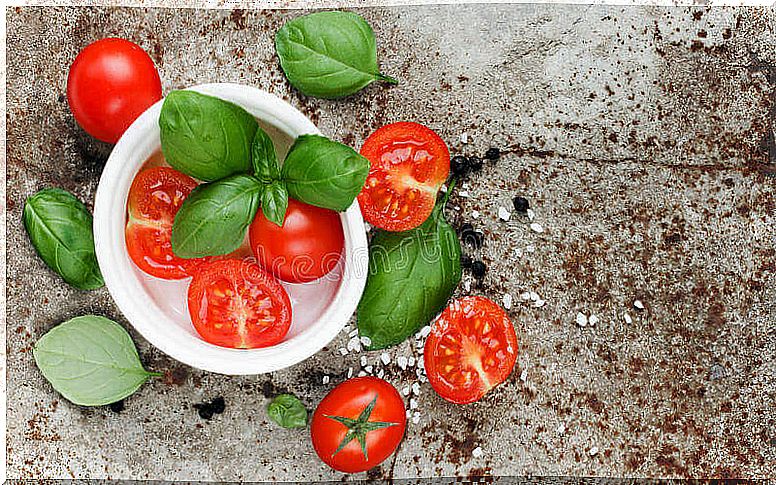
(111,82)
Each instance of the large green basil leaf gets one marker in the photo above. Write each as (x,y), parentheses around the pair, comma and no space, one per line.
(214,217)
(324,173)
(329,54)
(274,202)
(288,411)
(411,276)
(264,158)
(206,137)
(90,360)
(60,228)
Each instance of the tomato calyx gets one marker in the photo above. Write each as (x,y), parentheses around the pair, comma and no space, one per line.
(358,428)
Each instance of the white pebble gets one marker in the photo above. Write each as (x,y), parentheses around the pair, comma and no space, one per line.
(507,301)
(366,341)
(413,403)
(627,318)
(581,319)
(475,214)
(416,388)
(536,227)
(343,351)
(402,361)
(363,361)
(592,320)
(524,375)
(638,304)
(531,214)
(325,379)
(385,358)
(477,452)
(525,296)
(593,451)
(503,213)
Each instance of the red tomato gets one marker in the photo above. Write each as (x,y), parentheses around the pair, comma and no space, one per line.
(111,82)
(155,196)
(308,246)
(234,303)
(364,409)
(408,164)
(472,348)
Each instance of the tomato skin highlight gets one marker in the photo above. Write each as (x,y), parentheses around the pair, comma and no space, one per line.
(154,198)
(349,399)
(110,83)
(307,246)
(408,165)
(471,349)
(234,303)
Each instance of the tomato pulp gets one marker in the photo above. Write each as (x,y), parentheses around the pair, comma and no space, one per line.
(408,164)
(306,247)
(110,83)
(155,196)
(358,424)
(234,303)
(472,348)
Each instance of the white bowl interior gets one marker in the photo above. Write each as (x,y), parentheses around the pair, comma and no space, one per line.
(157,308)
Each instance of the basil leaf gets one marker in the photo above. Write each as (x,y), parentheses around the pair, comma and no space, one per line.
(274,202)
(411,276)
(206,137)
(324,173)
(288,411)
(90,360)
(265,160)
(214,217)
(329,54)
(60,228)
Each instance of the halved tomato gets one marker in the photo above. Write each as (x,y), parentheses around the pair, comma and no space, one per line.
(155,196)
(234,303)
(408,164)
(472,348)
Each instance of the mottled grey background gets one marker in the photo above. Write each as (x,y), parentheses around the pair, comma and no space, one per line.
(642,136)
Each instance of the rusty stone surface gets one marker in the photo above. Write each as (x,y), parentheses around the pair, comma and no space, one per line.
(643,138)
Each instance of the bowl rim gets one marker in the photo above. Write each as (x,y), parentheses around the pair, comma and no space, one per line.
(136,304)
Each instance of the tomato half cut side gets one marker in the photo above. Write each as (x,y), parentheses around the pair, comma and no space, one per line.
(234,303)
(155,196)
(408,164)
(471,349)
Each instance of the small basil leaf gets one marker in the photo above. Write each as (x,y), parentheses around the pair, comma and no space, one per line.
(411,276)
(60,228)
(90,360)
(265,160)
(206,137)
(324,173)
(214,217)
(288,411)
(329,54)
(274,202)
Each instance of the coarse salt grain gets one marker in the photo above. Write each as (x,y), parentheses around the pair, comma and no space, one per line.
(463,193)
(402,361)
(531,214)
(361,373)
(354,345)
(581,319)
(525,295)
(380,373)
(405,390)
(467,285)
(507,301)
(411,362)
(343,351)
(416,418)
(627,318)
(638,304)
(346,328)
(368,369)
(366,341)
(413,403)
(561,428)
(530,248)
(539,303)
(425,331)
(385,358)
(593,451)
(363,361)
(353,332)
(464,138)
(503,213)
(325,379)
(443,188)
(524,375)
(475,214)
(534,296)
(416,388)
(350,372)
(536,227)
(477,452)
(592,320)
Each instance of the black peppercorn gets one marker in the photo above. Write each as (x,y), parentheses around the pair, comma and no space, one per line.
(218,405)
(478,269)
(117,406)
(493,154)
(521,204)
(475,164)
(204,410)
(466,261)
(459,165)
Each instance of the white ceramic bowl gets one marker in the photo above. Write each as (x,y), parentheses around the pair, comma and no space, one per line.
(157,308)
